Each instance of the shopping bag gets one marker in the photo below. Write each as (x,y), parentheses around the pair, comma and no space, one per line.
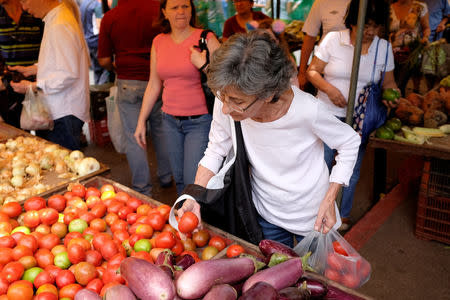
(115,129)
(35,114)
(331,255)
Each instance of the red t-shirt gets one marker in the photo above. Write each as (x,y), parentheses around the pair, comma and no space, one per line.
(126,32)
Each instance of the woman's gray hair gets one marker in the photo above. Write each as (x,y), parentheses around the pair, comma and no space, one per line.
(253,63)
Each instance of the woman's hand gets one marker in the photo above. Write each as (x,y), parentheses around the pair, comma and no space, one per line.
(336,96)
(140,135)
(192,206)
(326,216)
(198,59)
(26,71)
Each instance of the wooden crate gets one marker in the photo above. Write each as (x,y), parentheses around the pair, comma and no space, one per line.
(7,132)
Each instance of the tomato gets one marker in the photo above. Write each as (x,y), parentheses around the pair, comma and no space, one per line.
(14,223)
(6,255)
(235,250)
(78,225)
(134,203)
(44,257)
(94,257)
(119,225)
(17,234)
(12,209)
(4,284)
(87,216)
(156,220)
(134,238)
(122,197)
(95,285)
(99,210)
(111,276)
(165,240)
(89,231)
(98,224)
(332,274)
(164,210)
(53,270)
(76,253)
(48,216)
(31,218)
(71,235)
(37,235)
(121,235)
(144,230)
(46,296)
(188,222)
(78,190)
(107,286)
(111,218)
(31,274)
(350,280)
(7,241)
(34,203)
(47,288)
(60,229)
(143,209)
(57,202)
(69,217)
(42,228)
(20,290)
(58,249)
(201,238)
(49,241)
(115,206)
(80,241)
(109,249)
(28,262)
(114,262)
(61,260)
(6,227)
(21,251)
(209,252)
(217,242)
(99,239)
(92,191)
(64,278)
(124,211)
(85,272)
(13,271)
(334,261)
(132,218)
(69,291)
(178,248)
(29,241)
(339,249)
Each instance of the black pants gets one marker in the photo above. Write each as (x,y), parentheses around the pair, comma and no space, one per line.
(66,132)
(11,107)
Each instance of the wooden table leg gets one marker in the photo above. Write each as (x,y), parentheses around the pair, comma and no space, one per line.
(379,173)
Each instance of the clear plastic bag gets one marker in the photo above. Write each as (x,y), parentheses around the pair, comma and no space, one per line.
(35,114)
(115,129)
(333,257)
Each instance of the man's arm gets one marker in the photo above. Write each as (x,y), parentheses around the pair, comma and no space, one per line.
(106,63)
(307,48)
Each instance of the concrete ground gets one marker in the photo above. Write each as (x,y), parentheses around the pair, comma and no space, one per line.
(403,266)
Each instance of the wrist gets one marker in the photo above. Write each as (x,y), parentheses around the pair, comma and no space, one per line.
(204,67)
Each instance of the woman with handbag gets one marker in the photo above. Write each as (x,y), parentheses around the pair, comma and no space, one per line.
(333,59)
(284,130)
(175,63)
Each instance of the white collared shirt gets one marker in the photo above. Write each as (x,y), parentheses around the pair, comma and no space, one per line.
(289,177)
(337,51)
(63,66)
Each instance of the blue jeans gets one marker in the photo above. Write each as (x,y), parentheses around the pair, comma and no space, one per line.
(66,132)
(129,100)
(276,233)
(186,141)
(349,191)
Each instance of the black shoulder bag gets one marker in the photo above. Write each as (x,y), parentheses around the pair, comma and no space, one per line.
(209,96)
(231,208)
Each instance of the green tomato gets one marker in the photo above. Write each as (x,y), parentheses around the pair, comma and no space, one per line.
(78,225)
(143,245)
(395,124)
(31,274)
(62,260)
(384,133)
(23,229)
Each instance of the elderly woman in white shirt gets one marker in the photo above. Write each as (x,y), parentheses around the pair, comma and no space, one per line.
(333,59)
(62,72)
(284,130)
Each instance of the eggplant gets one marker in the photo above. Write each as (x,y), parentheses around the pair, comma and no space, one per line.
(146,280)
(276,258)
(295,293)
(259,263)
(221,292)
(119,291)
(268,247)
(165,258)
(185,262)
(338,294)
(280,276)
(317,288)
(260,290)
(86,294)
(198,279)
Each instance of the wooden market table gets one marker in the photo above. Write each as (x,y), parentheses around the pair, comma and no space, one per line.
(436,148)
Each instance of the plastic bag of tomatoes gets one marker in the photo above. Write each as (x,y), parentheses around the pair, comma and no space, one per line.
(332,256)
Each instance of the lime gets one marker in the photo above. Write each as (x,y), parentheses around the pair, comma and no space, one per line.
(142,245)
(395,124)
(384,133)
(31,274)
(23,229)
(390,95)
(78,225)
(62,260)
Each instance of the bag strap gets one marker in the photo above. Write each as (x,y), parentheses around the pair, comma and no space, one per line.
(375,61)
(203,43)
(385,64)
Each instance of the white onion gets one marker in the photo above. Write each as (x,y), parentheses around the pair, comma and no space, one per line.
(6,188)
(18,171)
(63,153)
(5,174)
(32,169)
(17,181)
(75,155)
(87,165)
(46,162)
(60,167)
(11,144)
(51,148)
(9,199)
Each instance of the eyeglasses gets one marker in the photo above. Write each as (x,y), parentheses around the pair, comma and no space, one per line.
(232,105)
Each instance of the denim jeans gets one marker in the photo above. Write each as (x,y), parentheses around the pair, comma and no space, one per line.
(66,132)
(129,100)
(186,142)
(276,233)
(349,191)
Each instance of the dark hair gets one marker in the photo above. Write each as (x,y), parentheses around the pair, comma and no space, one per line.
(377,11)
(164,24)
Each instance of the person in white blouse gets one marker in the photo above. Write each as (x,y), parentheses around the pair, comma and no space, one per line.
(62,71)
(284,130)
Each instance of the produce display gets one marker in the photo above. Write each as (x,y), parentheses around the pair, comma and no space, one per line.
(26,162)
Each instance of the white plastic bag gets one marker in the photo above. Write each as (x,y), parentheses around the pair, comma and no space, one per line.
(114,123)
(35,114)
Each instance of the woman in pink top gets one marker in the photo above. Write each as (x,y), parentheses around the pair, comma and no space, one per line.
(175,64)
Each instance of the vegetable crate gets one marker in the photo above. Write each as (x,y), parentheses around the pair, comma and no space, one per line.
(433,207)
(98,130)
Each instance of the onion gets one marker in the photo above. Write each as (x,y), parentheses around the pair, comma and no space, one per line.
(17,181)
(5,174)
(11,144)
(2,147)
(87,165)
(18,171)
(63,153)
(51,148)
(33,169)
(75,155)
(6,188)
(60,167)
(45,162)
(9,199)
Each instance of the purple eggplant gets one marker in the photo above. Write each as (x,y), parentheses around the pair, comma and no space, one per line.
(338,294)
(317,288)
(119,291)
(221,292)
(268,247)
(260,290)
(295,293)
(86,294)
(185,262)
(280,276)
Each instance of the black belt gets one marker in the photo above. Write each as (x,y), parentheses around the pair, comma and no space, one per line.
(187,117)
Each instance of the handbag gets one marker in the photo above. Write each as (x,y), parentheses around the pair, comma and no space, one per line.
(35,114)
(209,95)
(231,207)
(369,112)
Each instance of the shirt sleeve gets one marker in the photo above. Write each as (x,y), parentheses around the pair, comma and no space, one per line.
(220,141)
(322,51)
(62,69)
(340,136)
(313,21)
(105,43)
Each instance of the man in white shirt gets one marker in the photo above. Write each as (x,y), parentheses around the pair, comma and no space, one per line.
(62,71)
(328,14)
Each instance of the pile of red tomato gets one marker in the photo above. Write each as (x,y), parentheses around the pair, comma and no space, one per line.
(52,249)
